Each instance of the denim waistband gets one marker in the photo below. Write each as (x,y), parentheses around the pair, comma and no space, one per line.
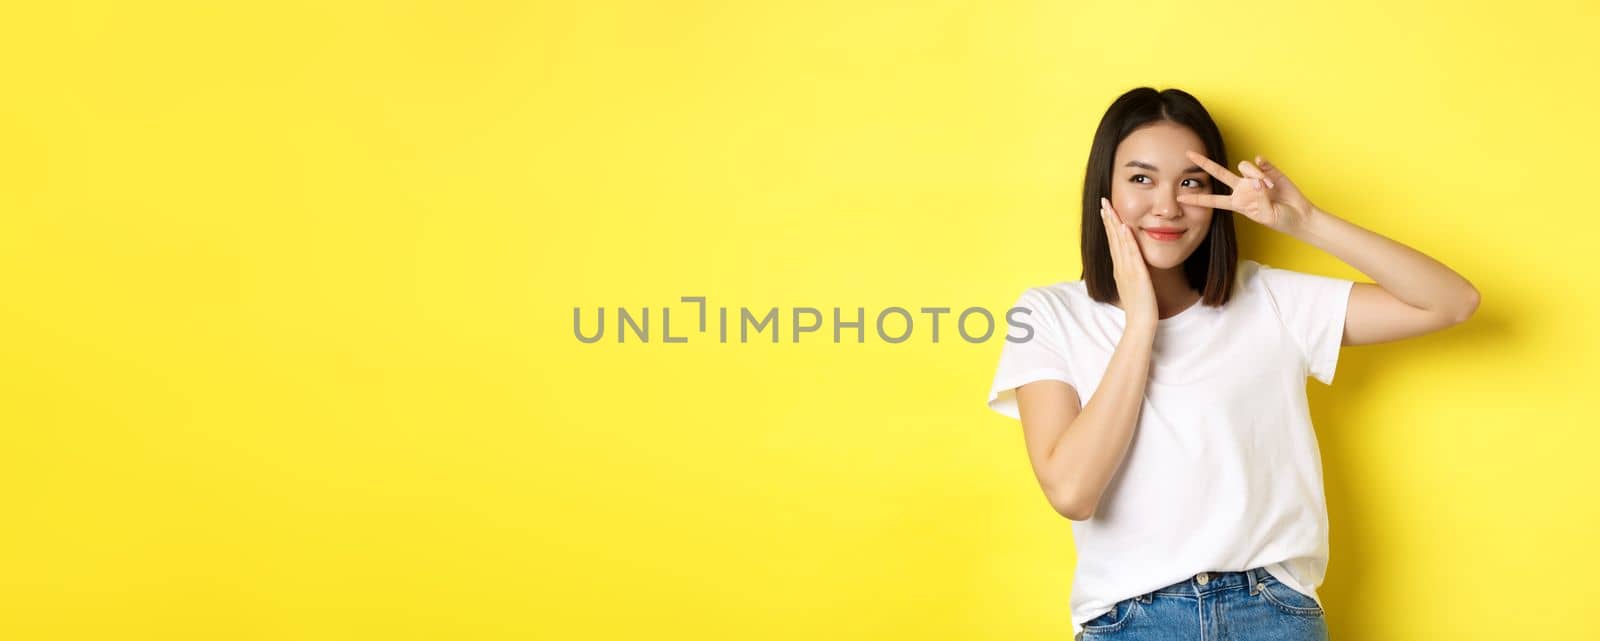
(1209,582)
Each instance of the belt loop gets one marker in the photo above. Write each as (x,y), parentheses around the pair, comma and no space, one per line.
(1254,585)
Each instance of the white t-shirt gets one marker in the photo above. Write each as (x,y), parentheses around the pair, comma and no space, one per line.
(1223,472)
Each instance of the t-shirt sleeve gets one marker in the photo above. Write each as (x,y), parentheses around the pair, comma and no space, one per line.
(1033,350)
(1312,308)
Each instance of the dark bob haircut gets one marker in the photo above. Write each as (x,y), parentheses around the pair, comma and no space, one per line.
(1210,269)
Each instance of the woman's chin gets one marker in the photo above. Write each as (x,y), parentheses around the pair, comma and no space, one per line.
(1162,261)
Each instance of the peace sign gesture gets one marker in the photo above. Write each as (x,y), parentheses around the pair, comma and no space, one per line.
(1264,194)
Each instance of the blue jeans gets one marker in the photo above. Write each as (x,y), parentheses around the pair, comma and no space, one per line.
(1214,606)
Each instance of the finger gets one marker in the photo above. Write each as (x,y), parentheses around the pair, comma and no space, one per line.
(1125,241)
(1105,224)
(1205,200)
(1106,204)
(1251,171)
(1123,238)
(1221,173)
(1135,255)
(1110,225)
(1270,169)
(1113,219)
(1262,198)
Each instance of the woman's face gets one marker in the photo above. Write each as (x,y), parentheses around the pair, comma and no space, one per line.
(1150,171)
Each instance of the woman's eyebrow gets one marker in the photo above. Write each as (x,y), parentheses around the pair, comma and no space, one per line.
(1193,169)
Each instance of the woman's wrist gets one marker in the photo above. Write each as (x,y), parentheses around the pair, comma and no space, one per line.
(1140,328)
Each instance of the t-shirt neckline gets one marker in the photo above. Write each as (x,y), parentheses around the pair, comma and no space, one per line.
(1183,315)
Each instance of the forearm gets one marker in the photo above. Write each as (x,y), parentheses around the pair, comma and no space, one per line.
(1091,449)
(1410,275)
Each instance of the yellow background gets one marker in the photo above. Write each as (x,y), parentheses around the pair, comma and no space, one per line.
(288,288)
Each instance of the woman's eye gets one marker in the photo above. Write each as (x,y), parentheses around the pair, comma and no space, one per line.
(1188,182)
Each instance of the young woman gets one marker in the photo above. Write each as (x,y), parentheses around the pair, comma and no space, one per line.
(1192,475)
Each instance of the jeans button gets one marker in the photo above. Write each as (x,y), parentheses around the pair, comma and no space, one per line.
(1202,578)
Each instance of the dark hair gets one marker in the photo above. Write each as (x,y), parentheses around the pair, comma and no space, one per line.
(1210,269)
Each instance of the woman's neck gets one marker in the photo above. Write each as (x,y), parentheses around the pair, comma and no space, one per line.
(1173,293)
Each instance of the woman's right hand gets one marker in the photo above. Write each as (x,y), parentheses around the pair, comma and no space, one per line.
(1134,289)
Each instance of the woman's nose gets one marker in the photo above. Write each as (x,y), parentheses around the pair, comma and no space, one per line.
(1166,204)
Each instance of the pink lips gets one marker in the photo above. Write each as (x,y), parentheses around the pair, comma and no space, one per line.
(1162,235)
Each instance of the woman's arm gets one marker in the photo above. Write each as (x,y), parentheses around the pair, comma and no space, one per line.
(1414,294)
(1076,453)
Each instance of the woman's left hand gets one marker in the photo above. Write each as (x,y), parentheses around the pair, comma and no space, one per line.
(1264,194)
